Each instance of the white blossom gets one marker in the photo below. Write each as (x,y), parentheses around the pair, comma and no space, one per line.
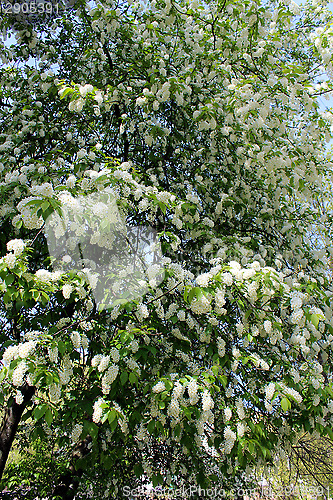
(17,246)
(159,387)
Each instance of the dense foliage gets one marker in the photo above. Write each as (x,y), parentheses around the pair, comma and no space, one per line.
(201,119)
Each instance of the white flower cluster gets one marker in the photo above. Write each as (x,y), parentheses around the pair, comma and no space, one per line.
(227,414)
(229,439)
(220,346)
(16,246)
(322,38)
(297,317)
(29,218)
(174,409)
(53,354)
(26,348)
(240,429)
(268,326)
(10,353)
(109,377)
(227,278)
(192,389)
(9,259)
(134,345)
(207,401)
(159,387)
(133,365)
(288,391)
(47,276)
(76,340)
(220,301)
(19,398)
(178,390)
(203,279)
(252,287)
(22,350)
(98,411)
(269,391)
(114,353)
(66,371)
(67,290)
(19,373)
(103,364)
(240,409)
(201,305)
(296,299)
(76,433)
(206,416)
(142,434)
(142,311)
(45,189)
(84,341)
(54,393)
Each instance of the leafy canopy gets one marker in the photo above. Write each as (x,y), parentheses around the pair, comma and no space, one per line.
(202,117)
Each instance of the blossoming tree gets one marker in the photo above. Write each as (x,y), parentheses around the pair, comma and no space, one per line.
(202,117)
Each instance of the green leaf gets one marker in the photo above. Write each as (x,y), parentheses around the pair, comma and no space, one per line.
(187,412)
(48,416)
(329,431)
(61,347)
(112,415)
(104,418)
(9,279)
(285,404)
(162,207)
(251,447)
(107,462)
(66,92)
(40,411)
(156,480)
(224,380)
(123,378)
(196,292)
(138,470)
(93,430)
(151,427)
(3,374)
(315,320)
(215,370)
(176,430)
(113,425)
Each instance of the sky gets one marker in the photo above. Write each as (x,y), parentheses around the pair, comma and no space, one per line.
(324,103)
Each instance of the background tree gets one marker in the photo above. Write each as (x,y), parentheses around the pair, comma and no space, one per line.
(305,470)
(203,120)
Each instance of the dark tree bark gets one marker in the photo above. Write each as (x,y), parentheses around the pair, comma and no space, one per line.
(69,481)
(10,422)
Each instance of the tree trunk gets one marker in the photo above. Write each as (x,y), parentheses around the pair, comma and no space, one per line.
(69,481)
(10,423)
